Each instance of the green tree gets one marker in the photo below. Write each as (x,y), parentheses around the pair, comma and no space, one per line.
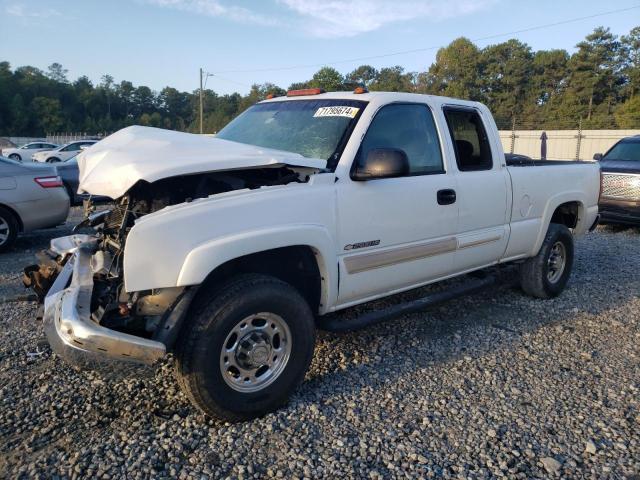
(457,71)
(20,115)
(327,78)
(507,68)
(627,114)
(57,73)
(593,74)
(630,59)
(364,75)
(393,79)
(47,113)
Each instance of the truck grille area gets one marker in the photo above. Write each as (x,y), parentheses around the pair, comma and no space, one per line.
(621,186)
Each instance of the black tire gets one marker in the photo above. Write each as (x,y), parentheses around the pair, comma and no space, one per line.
(16,157)
(199,349)
(53,160)
(9,227)
(72,200)
(537,276)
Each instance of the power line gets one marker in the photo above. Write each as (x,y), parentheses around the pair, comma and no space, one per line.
(424,49)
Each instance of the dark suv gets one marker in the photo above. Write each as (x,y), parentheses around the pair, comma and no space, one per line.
(620,199)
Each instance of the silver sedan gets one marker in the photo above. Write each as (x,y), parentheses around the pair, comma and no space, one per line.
(31,196)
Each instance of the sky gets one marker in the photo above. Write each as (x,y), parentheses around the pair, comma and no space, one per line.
(162,43)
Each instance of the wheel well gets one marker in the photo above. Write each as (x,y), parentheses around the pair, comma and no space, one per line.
(567,214)
(15,215)
(295,265)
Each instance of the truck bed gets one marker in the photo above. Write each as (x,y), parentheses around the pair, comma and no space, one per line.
(530,162)
(538,192)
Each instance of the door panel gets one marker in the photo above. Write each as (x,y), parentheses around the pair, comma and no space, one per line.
(393,233)
(482,191)
(414,236)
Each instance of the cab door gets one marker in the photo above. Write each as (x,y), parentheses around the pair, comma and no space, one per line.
(397,233)
(483,190)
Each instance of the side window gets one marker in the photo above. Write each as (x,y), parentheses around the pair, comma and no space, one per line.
(469,140)
(71,148)
(409,127)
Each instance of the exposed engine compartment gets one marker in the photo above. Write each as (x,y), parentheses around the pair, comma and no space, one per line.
(140,313)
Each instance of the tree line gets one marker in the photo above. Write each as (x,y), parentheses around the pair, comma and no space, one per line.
(598,85)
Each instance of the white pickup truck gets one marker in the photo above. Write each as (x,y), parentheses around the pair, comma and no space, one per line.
(229,251)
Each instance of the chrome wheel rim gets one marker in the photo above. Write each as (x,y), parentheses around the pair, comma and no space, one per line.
(556,262)
(255,352)
(4,231)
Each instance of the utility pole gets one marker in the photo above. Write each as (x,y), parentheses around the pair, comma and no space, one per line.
(201,106)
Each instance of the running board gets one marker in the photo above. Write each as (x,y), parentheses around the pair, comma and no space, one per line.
(337,323)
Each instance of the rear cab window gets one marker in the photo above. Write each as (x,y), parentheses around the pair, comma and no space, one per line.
(469,137)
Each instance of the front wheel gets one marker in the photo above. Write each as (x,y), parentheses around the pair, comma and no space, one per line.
(53,160)
(15,157)
(546,274)
(246,348)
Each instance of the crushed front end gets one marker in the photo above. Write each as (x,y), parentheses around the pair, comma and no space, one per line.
(89,317)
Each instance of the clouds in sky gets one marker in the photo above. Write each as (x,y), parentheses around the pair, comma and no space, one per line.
(347,18)
(216,8)
(20,11)
(331,18)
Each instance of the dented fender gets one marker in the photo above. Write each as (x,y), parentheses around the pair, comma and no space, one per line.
(180,245)
(205,258)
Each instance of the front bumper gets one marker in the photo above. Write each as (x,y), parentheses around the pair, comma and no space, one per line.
(71,332)
(620,211)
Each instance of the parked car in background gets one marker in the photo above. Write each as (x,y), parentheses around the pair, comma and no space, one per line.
(620,167)
(31,196)
(65,152)
(25,152)
(70,174)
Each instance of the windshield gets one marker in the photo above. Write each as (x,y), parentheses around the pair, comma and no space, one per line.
(627,151)
(312,128)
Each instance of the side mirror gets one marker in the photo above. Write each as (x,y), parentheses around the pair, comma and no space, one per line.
(381,163)
(597,157)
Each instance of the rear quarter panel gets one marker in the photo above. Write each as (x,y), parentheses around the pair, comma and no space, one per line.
(538,191)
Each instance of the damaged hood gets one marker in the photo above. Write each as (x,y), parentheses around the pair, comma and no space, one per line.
(113,165)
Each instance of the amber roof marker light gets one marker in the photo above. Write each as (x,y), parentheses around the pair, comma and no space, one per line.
(360,90)
(305,91)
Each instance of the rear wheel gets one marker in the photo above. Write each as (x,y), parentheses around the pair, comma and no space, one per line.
(16,157)
(546,274)
(246,348)
(53,160)
(8,229)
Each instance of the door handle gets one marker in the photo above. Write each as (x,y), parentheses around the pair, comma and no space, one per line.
(446,196)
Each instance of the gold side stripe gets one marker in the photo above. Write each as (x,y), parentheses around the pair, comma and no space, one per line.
(482,241)
(367,261)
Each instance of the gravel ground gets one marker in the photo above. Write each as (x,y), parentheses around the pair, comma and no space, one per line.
(492,385)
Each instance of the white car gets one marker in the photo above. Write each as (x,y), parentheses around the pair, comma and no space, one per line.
(63,153)
(230,251)
(25,152)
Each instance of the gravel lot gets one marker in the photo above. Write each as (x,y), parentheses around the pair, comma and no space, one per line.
(493,385)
